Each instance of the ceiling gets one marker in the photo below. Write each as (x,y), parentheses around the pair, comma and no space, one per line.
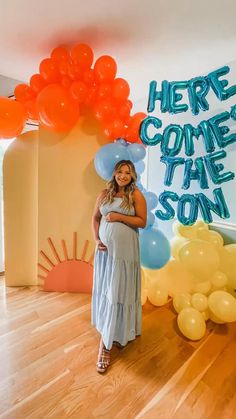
(150,40)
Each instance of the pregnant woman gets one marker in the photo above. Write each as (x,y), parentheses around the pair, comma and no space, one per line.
(116,301)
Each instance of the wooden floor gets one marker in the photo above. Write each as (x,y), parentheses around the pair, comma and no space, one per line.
(48,352)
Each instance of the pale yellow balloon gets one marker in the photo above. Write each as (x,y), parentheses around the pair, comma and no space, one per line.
(180,230)
(191,323)
(158,296)
(214,319)
(206,314)
(143,279)
(172,276)
(143,296)
(201,225)
(199,301)
(211,236)
(228,263)
(223,305)
(200,257)
(181,301)
(218,280)
(202,287)
(175,244)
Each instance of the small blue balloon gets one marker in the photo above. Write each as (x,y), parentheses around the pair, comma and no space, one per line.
(107,157)
(150,219)
(151,200)
(154,249)
(140,167)
(137,152)
(140,186)
(122,141)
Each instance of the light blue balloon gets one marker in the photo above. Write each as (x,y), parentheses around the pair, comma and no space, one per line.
(137,152)
(154,249)
(140,167)
(151,200)
(122,141)
(140,186)
(107,157)
(150,219)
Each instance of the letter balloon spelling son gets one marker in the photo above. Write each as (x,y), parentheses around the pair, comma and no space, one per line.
(213,133)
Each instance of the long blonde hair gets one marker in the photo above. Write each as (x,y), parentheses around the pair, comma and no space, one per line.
(112,186)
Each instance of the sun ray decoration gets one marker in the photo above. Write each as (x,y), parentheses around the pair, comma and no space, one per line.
(68,275)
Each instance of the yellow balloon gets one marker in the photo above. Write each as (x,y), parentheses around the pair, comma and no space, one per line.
(181,301)
(158,296)
(211,236)
(200,257)
(227,263)
(206,314)
(180,230)
(201,225)
(143,279)
(173,276)
(143,296)
(218,280)
(202,287)
(214,319)
(199,301)
(223,305)
(175,244)
(191,323)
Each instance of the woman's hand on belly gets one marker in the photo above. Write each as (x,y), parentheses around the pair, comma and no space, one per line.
(112,217)
(100,245)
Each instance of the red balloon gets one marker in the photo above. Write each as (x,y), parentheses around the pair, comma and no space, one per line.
(79,91)
(105,69)
(57,110)
(23,92)
(60,54)
(104,109)
(124,109)
(37,83)
(82,55)
(12,118)
(104,91)
(66,82)
(74,71)
(88,77)
(134,127)
(49,70)
(91,96)
(120,89)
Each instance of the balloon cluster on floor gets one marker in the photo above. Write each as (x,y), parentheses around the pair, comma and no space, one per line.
(200,278)
(154,246)
(67,85)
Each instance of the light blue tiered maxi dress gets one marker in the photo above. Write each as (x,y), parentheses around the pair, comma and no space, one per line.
(116,298)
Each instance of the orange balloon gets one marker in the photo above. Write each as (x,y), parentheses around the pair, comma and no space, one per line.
(31,109)
(104,110)
(74,71)
(134,127)
(23,92)
(105,69)
(79,91)
(49,70)
(60,54)
(82,55)
(115,129)
(57,110)
(120,89)
(88,77)
(124,109)
(12,118)
(104,91)
(37,83)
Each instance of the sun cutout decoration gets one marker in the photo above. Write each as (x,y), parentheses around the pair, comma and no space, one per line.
(68,275)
